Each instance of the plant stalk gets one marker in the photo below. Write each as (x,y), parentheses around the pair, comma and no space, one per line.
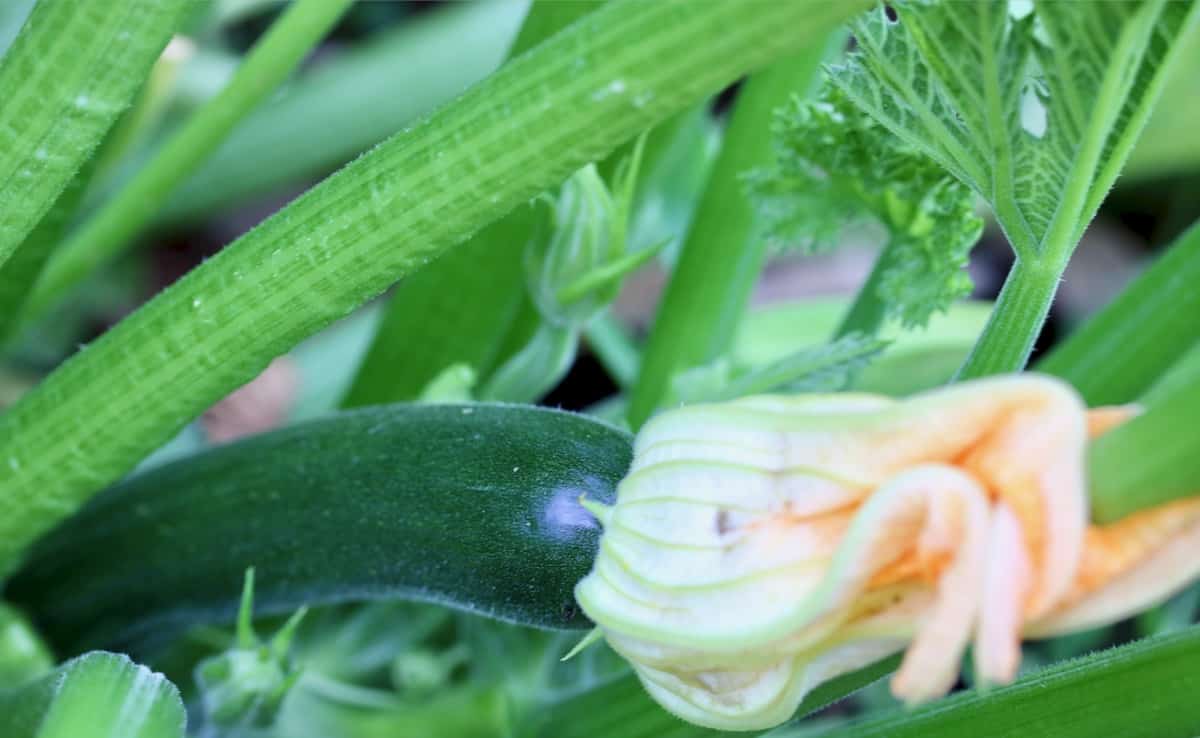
(1016,321)
(116,225)
(722,256)
(567,102)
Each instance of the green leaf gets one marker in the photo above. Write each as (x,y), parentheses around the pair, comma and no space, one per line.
(98,695)
(474,506)
(914,360)
(1120,352)
(382,218)
(622,709)
(1146,689)
(1036,112)
(1152,459)
(836,168)
(924,268)
(821,368)
(75,65)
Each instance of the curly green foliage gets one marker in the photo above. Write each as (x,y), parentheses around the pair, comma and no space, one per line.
(926,261)
(836,168)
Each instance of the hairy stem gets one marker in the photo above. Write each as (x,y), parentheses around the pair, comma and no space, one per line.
(567,102)
(114,227)
(74,67)
(1016,321)
(477,290)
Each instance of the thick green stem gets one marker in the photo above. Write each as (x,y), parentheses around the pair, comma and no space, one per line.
(18,274)
(477,291)
(1183,373)
(348,103)
(1016,321)
(721,257)
(113,229)
(74,67)
(569,101)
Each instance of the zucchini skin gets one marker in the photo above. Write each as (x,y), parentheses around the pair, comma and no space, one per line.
(473,506)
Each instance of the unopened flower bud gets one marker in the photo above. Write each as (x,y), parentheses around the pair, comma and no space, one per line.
(575,266)
(244,686)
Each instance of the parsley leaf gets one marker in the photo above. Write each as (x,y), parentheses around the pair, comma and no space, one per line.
(836,168)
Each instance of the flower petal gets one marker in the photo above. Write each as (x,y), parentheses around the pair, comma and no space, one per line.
(1130,565)
(1007,583)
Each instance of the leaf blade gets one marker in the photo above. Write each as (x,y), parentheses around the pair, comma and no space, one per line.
(1141,690)
(100,695)
(1119,352)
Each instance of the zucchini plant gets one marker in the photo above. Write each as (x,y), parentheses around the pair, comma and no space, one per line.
(746,514)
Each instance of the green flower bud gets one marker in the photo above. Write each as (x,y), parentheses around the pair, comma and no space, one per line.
(244,686)
(574,266)
(420,672)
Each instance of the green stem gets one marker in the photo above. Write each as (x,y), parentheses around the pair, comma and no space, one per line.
(477,291)
(614,349)
(721,257)
(114,227)
(348,103)
(867,312)
(567,102)
(1016,321)
(74,67)
(18,274)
